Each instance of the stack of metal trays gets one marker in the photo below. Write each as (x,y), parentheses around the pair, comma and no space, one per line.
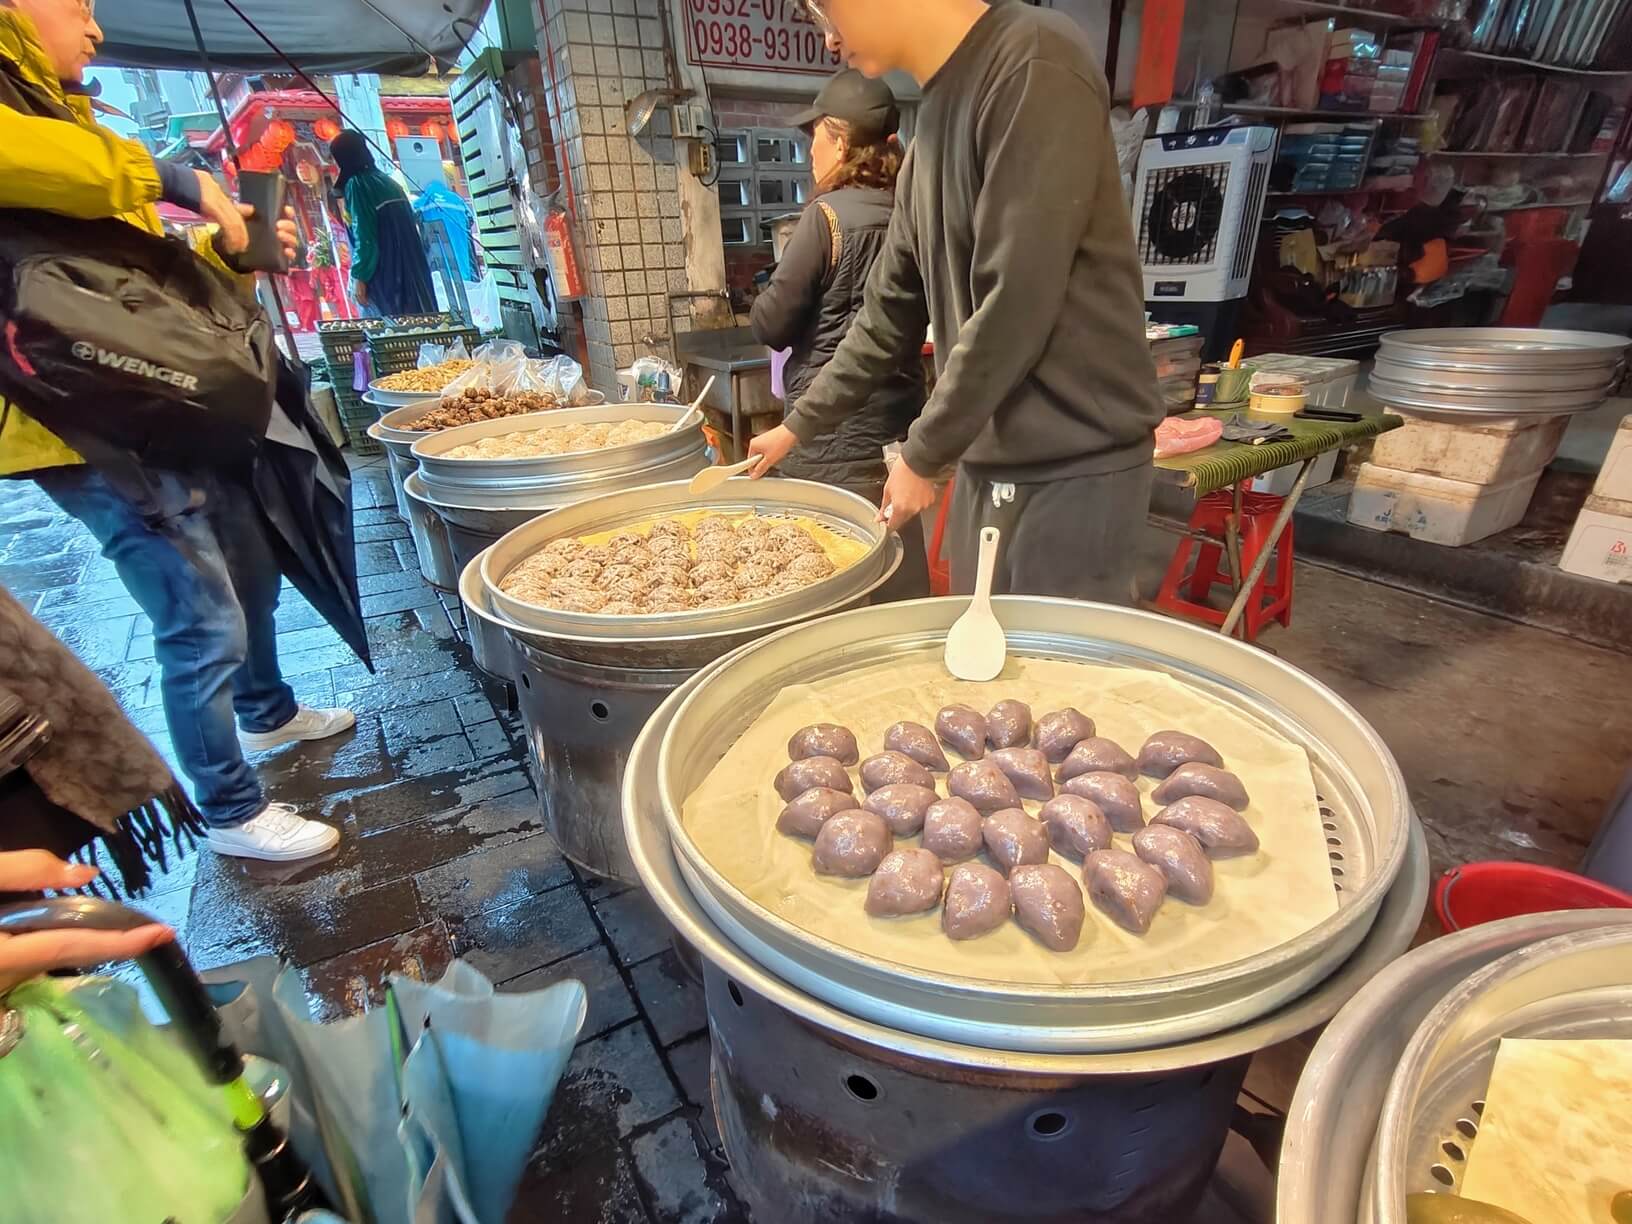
(672,889)
(1576,986)
(1363,806)
(1325,1171)
(844,513)
(1482,373)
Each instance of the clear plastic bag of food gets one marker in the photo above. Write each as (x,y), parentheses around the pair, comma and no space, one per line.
(567,380)
(499,351)
(653,381)
(456,349)
(432,354)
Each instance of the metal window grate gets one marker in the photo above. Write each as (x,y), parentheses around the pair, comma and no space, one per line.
(1181,214)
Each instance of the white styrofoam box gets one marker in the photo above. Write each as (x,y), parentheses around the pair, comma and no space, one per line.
(1600,544)
(1279,482)
(1331,381)
(1431,508)
(1615,477)
(1477,454)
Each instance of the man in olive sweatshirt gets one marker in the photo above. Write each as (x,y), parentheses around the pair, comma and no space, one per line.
(1011,236)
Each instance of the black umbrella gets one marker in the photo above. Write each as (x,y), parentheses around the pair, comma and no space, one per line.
(303,487)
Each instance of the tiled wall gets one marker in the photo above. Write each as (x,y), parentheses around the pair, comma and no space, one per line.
(597,55)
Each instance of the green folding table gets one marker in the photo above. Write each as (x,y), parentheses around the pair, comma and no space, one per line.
(1233,464)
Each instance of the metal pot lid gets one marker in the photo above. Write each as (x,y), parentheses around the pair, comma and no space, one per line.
(1364,809)
(1505,347)
(1483,382)
(1470,403)
(646,829)
(1339,1096)
(1575,985)
(842,511)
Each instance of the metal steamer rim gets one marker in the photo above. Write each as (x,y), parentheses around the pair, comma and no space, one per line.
(646,828)
(1328,1145)
(1366,821)
(842,512)
(1572,986)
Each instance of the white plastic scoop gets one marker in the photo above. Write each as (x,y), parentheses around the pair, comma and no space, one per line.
(695,412)
(975,645)
(709,479)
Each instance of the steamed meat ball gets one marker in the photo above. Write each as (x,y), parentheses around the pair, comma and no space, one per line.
(906,882)
(952,829)
(1076,826)
(888,768)
(1027,768)
(1048,903)
(806,568)
(705,572)
(1059,731)
(963,730)
(918,742)
(1165,751)
(1098,755)
(984,785)
(1012,838)
(903,806)
(810,772)
(977,901)
(851,844)
(1207,781)
(1117,798)
(1125,887)
(1217,826)
(1180,858)
(824,739)
(1008,724)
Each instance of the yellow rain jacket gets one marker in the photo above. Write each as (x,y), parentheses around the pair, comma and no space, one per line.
(75,167)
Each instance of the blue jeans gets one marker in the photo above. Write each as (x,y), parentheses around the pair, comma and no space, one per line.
(195,557)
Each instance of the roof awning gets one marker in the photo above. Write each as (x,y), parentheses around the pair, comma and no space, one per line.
(400,36)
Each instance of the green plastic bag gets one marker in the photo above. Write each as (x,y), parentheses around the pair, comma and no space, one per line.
(104,1117)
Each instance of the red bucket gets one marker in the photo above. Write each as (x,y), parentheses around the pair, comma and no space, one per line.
(1485,892)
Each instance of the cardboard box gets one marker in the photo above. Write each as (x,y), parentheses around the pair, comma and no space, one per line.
(1600,546)
(1615,477)
(1431,508)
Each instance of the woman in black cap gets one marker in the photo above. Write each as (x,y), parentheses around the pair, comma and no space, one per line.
(389,272)
(818,288)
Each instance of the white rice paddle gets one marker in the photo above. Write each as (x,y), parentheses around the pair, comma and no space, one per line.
(694,414)
(975,645)
(711,478)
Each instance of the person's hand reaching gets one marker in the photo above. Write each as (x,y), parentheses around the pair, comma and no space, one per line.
(906,496)
(771,447)
(27,956)
(288,234)
(228,215)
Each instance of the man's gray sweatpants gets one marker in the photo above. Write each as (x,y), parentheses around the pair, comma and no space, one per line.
(1077,537)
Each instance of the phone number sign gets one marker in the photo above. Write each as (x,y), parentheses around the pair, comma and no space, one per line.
(757,35)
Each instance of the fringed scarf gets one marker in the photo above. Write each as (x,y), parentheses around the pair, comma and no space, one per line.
(95,767)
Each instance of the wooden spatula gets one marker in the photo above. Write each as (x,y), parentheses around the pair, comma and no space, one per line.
(975,645)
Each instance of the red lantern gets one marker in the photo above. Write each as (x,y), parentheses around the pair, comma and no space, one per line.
(279,135)
(325,129)
(396,128)
(431,129)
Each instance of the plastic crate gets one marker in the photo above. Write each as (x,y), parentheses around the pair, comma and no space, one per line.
(341,338)
(394,352)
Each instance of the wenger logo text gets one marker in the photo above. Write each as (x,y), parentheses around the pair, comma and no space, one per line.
(134,365)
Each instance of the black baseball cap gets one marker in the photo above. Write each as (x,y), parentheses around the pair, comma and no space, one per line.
(863,102)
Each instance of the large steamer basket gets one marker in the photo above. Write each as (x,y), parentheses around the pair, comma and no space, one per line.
(587,685)
(1575,986)
(827,1115)
(1494,373)
(1332,1122)
(1364,810)
(482,500)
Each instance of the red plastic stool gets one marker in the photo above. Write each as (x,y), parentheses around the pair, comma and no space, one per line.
(1271,597)
(940,566)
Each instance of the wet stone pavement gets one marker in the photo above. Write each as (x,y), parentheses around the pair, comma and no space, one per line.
(1511,740)
(443,853)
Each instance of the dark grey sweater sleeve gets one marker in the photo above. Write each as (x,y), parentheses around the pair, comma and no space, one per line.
(1038,183)
(887,333)
(783,312)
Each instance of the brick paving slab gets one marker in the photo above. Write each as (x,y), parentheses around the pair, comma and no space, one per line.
(671,997)
(610,1003)
(634,925)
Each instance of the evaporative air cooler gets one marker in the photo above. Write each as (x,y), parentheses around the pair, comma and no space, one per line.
(1198,205)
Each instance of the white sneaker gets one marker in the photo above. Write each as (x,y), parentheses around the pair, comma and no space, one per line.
(307,724)
(275,835)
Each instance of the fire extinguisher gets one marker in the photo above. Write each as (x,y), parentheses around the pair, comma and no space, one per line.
(563,254)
